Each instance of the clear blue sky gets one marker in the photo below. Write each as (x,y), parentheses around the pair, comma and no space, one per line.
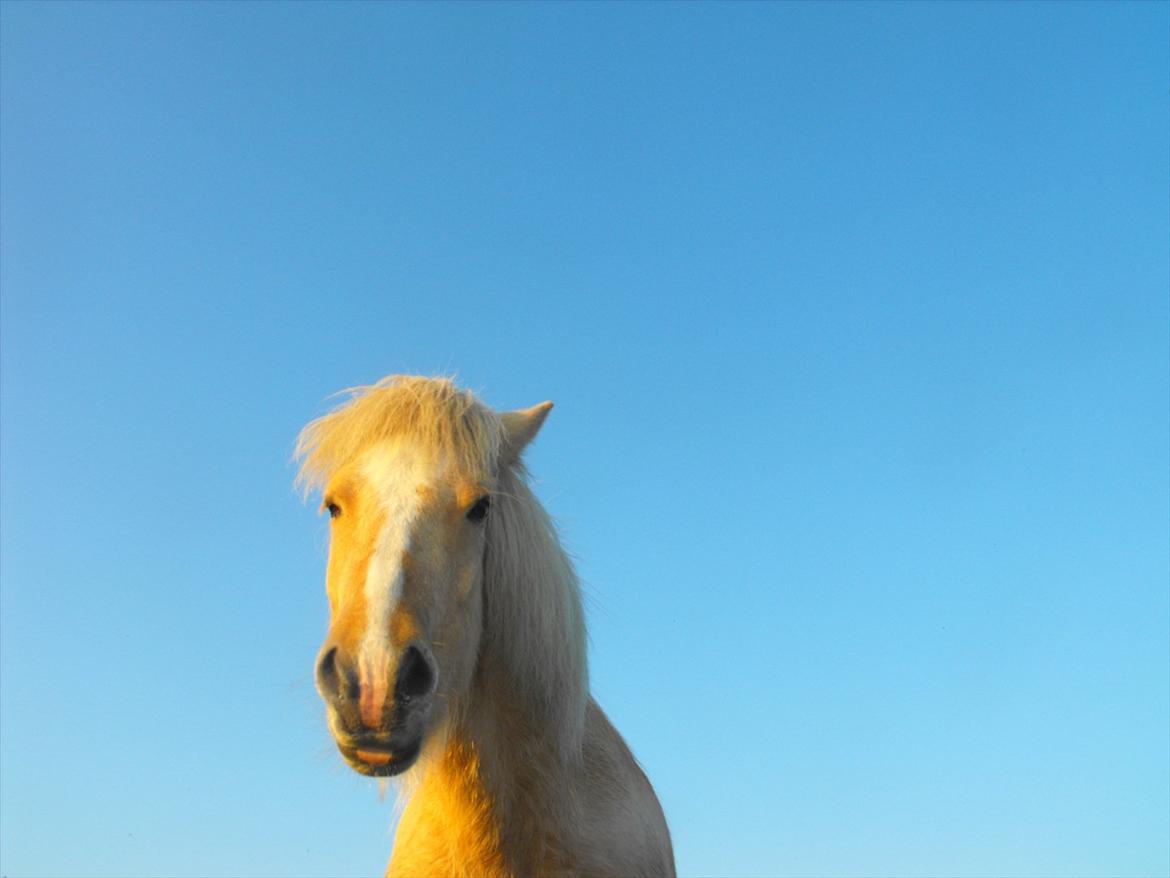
(856,318)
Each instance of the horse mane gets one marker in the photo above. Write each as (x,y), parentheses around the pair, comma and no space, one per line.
(532,610)
(533,620)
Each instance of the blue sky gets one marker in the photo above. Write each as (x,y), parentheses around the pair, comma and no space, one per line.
(856,319)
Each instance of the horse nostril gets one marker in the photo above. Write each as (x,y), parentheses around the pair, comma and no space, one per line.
(327,674)
(415,676)
(327,667)
(335,678)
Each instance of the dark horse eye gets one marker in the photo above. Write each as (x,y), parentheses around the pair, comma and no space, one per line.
(479,511)
(334,509)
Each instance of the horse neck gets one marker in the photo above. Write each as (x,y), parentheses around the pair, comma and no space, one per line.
(496,800)
(513,746)
(508,762)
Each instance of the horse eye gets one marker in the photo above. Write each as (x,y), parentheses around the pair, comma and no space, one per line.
(479,511)
(334,509)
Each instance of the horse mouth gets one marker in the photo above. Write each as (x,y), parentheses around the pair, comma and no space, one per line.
(380,760)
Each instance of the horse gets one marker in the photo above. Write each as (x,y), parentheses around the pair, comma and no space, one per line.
(455,657)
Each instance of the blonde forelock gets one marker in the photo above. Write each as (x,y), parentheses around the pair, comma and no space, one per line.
(432,412)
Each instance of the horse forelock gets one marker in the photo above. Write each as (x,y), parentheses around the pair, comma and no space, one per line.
(433,414)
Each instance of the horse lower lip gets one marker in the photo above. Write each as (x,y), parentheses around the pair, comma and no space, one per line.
(381,760)
(374,757)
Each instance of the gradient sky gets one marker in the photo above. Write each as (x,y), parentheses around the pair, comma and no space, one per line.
(856,319)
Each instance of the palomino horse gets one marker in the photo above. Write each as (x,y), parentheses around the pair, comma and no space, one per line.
(456,647)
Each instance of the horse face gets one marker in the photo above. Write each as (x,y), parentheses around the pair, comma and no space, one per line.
(404,578)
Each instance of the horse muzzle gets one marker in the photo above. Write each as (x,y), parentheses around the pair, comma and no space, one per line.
(378,735)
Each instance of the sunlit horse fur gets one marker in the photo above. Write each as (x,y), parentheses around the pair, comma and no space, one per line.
(456,648)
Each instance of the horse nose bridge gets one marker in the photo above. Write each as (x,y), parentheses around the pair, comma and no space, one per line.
(382,595)
(371,621)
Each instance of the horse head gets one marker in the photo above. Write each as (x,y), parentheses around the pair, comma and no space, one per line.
(408,471)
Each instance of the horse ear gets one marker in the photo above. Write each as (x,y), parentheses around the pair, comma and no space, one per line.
(520,428)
